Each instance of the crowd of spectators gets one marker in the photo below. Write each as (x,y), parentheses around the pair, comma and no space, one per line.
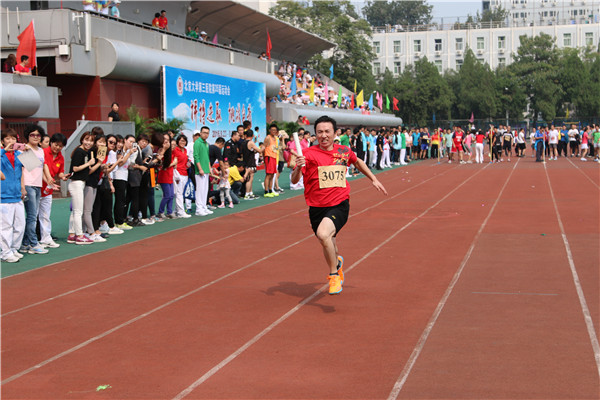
(10,65)
(105,7)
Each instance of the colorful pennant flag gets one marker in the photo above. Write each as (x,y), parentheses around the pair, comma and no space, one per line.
(472,119)
(294,85)
(395,100)
(371,102)
(355,86)
(339,102)
(359,99)
(311,92)
(352,106)
(331,72)
(387,101)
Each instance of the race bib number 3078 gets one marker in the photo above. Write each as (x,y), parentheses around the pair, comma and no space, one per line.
(332,176)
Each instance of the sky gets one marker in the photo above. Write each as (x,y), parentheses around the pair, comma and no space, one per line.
(449,10)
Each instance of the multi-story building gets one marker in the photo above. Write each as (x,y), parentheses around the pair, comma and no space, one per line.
(493,43)
(546,12)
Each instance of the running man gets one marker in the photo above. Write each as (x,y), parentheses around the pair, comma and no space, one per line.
(327,193)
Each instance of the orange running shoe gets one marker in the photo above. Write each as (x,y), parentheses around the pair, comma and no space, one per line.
(335,284)
(340,266)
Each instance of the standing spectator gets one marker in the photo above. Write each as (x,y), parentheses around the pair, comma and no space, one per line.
(467,144)
(80,167)
(114,9)
(521,143)
(12,192)
(191,33)
(113,115)
(596,142)
(32,179)
(54,168)
(479,137)
(89,5)
(553,143)
(249,150)
(103,205)
(23,68)
(231,149)
(573,141)
(539,145)
(225,186)
(165,177)
(91,186)
(424,138)
(156,20)
(584,143)
(202,169)
(181,175)
(403,146)
(215,151)
(9,65)
(119,179)
(563,143)
(163,22)
(134,180)
(270,156)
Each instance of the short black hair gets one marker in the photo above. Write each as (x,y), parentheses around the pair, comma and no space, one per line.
(205,127)
(33,128)
(181,136)
(143,136)
(156,15)
(246,124)
(220,140)
(113,104)
(273,125)
(10,132)
(24,58)
(249,133)
(325,118)
(238,127)
(58,138)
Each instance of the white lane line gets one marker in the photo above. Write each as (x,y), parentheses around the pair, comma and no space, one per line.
(584,307)
(518,293)
(423,339)
(178,254)
(584,174)
(284,317)
(139,317)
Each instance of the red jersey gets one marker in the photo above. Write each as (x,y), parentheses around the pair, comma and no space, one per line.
(22,69)
(479,137)
(324,174)
(182,160)
(165,175)
(55,165)
(162,22)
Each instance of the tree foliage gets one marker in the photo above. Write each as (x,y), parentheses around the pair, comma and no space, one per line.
(380,13)
(339,22)
(536,68)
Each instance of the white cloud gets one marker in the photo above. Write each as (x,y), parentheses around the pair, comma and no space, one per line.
(182,111)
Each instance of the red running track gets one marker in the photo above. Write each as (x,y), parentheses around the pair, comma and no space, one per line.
(467,281)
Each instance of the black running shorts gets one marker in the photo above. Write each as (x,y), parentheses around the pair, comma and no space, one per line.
(338,214)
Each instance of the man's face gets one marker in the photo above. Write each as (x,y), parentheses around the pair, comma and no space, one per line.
(325,134)
(204,133)
(273,131)
(236,136)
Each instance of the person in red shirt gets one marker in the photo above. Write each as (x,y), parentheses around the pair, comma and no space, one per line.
(327,192)
(163,22)
(181,175)
(23,68)
(54,169)
(156,20)
(457,143)
(165,179)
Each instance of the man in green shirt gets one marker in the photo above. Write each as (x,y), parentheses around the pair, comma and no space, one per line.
(596,142)
(202,167)
(345,138)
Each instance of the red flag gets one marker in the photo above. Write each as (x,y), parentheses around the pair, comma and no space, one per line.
(352,102)
(27,45)
(472,119)
(269,45)
(395,107)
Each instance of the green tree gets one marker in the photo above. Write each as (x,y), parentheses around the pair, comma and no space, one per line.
(536,66)
(339,22)
(512,100)
(475,91)
(139,121)
(380,13)
(588,104)
(174,125)
(423,92)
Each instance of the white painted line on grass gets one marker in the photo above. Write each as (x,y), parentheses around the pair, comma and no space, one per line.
(584,307)
(423,339)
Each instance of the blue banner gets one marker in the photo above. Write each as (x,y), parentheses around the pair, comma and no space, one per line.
(219,102)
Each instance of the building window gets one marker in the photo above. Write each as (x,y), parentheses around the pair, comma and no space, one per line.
(589,38)
(502,42)
(376,47)
(438,44)
(480,43)
(397,68)
(397,46)
(501,62)
(459,64)
(438,64)
(459,44)
(567,39)
(417,46)
(376,68)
